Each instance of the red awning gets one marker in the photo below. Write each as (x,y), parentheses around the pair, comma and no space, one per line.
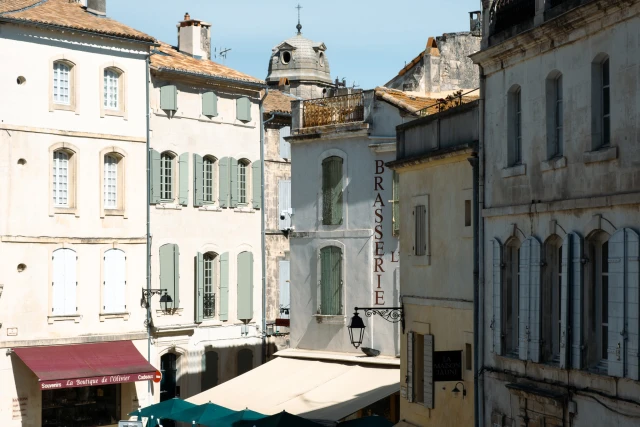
(81,365)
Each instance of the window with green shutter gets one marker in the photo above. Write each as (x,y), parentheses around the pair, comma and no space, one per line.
(242,183)
(155,164)
(208,179)
(256,184)
(224,286)
(223,182)
(332,190)
(243,109)
(170,271)
(167,168)
(233,182)
(209,104)
(184,179)
(169,98)
(245,285)
(331,281)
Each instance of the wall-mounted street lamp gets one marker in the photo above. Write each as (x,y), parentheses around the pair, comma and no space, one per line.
(456,390)
(164,299)
(356,326)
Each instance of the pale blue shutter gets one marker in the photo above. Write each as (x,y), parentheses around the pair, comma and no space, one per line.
(233,182)
(224,286)
(410,366)
(169,271)
(243,109)
(70,282)
(284,288)
(199,291)
(198,180)
(223,182)
(284,204)
(183,170)
(497,295)
(523,299)
(285,146)
(332,191)
(58,284)
(176,276)
(565,303)
(331,281)
(154,164)
(209,104)
(169,98)
(245,286)
(632,273)
(534,301)
(577,298)
(256,184)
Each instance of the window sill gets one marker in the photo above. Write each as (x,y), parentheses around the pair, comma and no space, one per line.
(65,211)
(63,107)
(553,164)
(211,208)
(105,316)
(75,317)
(210,323)
(174,311)
(244,209)
(168,205)
(604,154)
(114,113)
(516,170)
(114,212)
(330,320)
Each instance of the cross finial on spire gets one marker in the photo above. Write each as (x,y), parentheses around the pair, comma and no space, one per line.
(299,27)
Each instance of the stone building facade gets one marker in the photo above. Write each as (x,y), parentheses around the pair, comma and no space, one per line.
(560,207)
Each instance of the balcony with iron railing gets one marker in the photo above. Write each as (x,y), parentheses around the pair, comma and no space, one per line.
(333,110)
(451,101)
(209,305)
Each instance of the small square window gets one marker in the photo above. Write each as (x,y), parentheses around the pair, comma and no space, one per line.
(467,213)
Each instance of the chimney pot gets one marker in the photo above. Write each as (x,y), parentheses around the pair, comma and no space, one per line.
(98,7)
(187,17)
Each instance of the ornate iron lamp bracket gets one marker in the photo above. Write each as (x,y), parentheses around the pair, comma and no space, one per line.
(390,314)
(148,293)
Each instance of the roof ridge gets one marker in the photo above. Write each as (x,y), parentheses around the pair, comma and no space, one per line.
(37,3)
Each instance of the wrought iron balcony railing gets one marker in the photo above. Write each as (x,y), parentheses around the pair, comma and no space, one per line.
(209,305)
(450,101)
(333,110)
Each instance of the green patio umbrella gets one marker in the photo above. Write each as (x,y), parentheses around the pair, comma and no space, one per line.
(373,421)
(283,419)
(163,409)
(198,414)
(231,420)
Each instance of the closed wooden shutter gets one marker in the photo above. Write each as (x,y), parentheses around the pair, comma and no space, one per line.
(428,372)
(331,280)
(632,274)
(285,146)
(529,298)
(410,366)
(198,180)
(420,238)
(523,300)
(70,282)
(497,296)
(209,104)
(256,184)
(284,288)
(209,376)
(59,282)
(169,272)
(243,109)
(114,281)
(565,303)
(154,164)
(169,98)
(332,191)
(224,286)
(223,182)
(577,298)
(245,286)
(183,170)
(284,204)
(199,285)
(233,182)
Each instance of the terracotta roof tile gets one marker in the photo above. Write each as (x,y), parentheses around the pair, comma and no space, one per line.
(278,102)
(168,58)
(62,13)
(404,100)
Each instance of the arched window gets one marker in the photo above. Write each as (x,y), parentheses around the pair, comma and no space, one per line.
(551,327)
(243,181)
(600,102)
(510,295)
(555,115)
(209,376)
(169,370)
(208,184)
(167,171)
(597,296)
(210,282)
(514,126)
(111,94)
(332,190)
(62,83)
(61,178)
(113,295)
(110,181)
(331,283)
(64,282)
(245,361)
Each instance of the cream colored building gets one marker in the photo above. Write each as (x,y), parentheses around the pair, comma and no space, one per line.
(206,207)
(434,188)
(72,191)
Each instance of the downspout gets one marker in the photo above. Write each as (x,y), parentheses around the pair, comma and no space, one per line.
(263,230)
(476,323)
(148,200)
(479,350)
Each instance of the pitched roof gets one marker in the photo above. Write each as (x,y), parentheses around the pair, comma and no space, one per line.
(62,13)
(430,49)
(278,102)
(403,100)
(168,58)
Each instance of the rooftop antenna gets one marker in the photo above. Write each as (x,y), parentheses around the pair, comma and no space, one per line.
(221,53)
(299,27)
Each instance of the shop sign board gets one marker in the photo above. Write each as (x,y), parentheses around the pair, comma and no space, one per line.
(96,381)
(447,365)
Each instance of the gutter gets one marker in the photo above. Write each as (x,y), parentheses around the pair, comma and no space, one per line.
(228,81)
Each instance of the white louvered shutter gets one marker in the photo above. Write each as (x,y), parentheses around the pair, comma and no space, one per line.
(523,299)
(410,366)
(57,306)
(575,281)
(534,301)
(285,146)
(497,296)
(428,372)
(632,272)
(70,282)
(284,204)
(565,299)
(119,280)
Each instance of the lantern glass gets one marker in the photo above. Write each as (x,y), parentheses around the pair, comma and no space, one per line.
(166,299)
(356,330)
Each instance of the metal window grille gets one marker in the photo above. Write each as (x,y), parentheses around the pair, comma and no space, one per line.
(61,73)
(60,178)
(242,183)
(111,81)
(207,180)
(166,176)
(110,182)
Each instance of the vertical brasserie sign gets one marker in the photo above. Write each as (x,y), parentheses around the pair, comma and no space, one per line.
(378,234)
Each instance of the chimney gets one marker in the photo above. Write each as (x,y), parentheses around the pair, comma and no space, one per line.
(97,7)
(475,22)
(194,38)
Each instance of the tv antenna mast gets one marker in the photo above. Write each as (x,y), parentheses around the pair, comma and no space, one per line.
(221,53)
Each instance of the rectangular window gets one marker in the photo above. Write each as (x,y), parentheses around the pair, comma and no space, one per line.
(514,127)
(110,182)
(468,357)
(166,176)
(332,191)
(331,281)
(558,118)
(606,105)
(242,183)
(207,187)
(518,125)
(420,238)
(604,299)
(60,179)
(111,81)
(61,85)
(467,213)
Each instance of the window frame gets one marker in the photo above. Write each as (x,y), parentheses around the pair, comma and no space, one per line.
(245,164)
(324,197)
(213,162)
(108,314)
(73,70)
(51,315)
(121,110)
(514,126)
(551,294)
(173,163)
(119,209)
(510,297)
(213,259)
(596,306)
(600,85)
(555,115)
(339,318)
(72,174)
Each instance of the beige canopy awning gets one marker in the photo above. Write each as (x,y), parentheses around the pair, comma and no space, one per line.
(314,389)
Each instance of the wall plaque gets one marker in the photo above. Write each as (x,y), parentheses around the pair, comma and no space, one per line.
(447,365)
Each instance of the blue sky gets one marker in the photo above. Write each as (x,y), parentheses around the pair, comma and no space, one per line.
(368,41)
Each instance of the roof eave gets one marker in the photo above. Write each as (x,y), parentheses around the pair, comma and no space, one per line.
(253,85)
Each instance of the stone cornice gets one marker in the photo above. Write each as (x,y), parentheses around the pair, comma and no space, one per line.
(562,30)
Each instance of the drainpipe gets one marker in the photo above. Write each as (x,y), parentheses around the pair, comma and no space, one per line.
(476,323)
(479,350)
(263,230)
(148,200)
